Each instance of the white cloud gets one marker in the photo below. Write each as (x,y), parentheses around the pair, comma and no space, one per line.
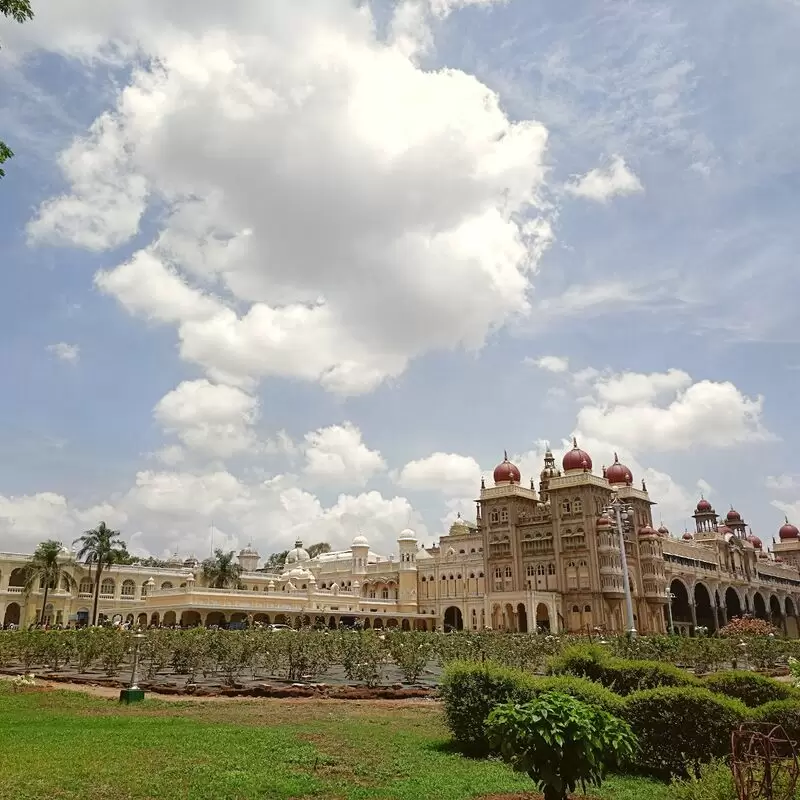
(601,184)
(331,162)
(449,473)
(443,8)
(166,512)
(782,483)
(338,453)
(666,411)
(65,352)
(552,363)
(210,418)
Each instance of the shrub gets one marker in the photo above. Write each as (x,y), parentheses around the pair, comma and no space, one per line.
(559,742)
(714,781)
(749,687)
(681,727)
(781,712)
(620,675)
(471,691)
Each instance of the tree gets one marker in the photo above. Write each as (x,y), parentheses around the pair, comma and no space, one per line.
(45,569)
(100,547)
(560,742)
(19,11)
(275,561)
(221,571)
(316,549)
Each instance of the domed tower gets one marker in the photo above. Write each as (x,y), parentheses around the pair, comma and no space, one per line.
(618,474)
(297,555)
(705,517)
(506,472)
(249,558)
(576,460)
(788,532)
(733,519)
(550,471)
(360,551)
(407,544)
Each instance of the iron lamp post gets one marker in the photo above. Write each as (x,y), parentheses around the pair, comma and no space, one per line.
(670,599)
(133,694)
(622,513)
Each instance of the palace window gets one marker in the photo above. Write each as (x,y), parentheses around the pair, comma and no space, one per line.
(498,572)
(530,570)
(86,587)
(551,569)
(577,506)
(166,585)
(566,507)
(385,594)
(508,572)
(494,516)
(504,515)
(540,569)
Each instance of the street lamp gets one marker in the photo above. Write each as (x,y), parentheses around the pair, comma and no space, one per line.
(670,599)
(622,514)
(133,694)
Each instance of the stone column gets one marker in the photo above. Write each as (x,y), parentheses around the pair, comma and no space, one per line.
(693,611)
(716,617)
(724,612)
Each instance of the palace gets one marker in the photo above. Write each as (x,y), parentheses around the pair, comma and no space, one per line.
(535,558)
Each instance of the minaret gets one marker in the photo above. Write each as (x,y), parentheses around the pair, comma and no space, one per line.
(550,471)
(360,552)
(705,517)
(407,543)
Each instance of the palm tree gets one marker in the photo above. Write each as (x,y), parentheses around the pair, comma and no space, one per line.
(45,569)
(221,571)
(100,548)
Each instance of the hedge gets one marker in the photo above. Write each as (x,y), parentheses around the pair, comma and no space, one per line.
(470,691)
(622,676)
(680,727)
(749,687)
(781,712)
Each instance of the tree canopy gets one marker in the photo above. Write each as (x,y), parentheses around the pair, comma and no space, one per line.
(19,11)
(46,569)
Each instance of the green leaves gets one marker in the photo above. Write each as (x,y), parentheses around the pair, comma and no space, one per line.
(559,741)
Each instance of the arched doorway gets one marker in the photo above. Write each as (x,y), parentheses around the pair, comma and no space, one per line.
(406,625)
(453,620)
(791,618)
(12,614)
(190,619)
(17,577)
(681,609)
(775,615)
(760,607)
(142,620)
(703,608)
(170,619)
(155,619)
(733,604)
(215,619)
(522,619)
(542,618)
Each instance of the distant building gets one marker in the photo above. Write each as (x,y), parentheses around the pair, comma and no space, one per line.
(546,559)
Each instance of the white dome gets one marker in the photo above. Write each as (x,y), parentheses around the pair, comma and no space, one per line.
(408,534)
(360,541)
(298,573)
(297,554)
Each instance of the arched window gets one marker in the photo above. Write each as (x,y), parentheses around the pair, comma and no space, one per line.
(566,507)
(551,569)
(471,575)
(503,515)
(577,506)
(128,588)
(576,610)
(508,572)
(480,574)
(540,569)
(587,609)
(86,587)
(498,572)
(494,516)
(385,594)
(107,586)
(166,585)
(144,589)
(529,570)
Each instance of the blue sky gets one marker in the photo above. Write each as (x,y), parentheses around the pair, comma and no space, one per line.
(297,270)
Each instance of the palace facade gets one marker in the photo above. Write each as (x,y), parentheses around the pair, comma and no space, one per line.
(544,557)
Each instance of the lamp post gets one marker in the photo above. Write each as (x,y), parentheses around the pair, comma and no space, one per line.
(670,599)
(133,694)
(622,514)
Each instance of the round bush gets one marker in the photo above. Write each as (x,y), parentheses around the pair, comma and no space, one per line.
(471,691)
(749,687)
(680,727)
(781,712)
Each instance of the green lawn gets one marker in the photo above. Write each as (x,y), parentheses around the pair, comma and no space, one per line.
(62,745)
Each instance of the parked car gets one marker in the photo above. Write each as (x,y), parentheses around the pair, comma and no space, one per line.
(279,627)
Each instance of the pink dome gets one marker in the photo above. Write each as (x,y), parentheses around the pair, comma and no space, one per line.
(687,537)
(755,541)
(618,473)
(648,531)
(788,531)
(576,459)
(703,506)
(603,522)
(733,516)
(506,472)
(663,530)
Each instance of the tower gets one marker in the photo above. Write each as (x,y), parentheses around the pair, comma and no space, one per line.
(360,552)
(249,558)
(407,544)
(705,517)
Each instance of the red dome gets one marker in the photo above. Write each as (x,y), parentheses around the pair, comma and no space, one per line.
(618,473)
(506,472)
(603,522)
(789,531)
(663,530)
(576,458)
(755,541)
(687,536)
(647,531)
(733,516)
(703,505)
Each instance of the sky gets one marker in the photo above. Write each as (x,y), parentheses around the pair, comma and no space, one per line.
(280,270)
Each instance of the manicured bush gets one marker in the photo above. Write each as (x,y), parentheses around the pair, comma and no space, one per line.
(680,727)
(560,742)
(748,626)
(618,674)
(781,712)
(471,691)
(749,687)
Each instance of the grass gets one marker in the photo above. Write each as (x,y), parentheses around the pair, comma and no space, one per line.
(64,745)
